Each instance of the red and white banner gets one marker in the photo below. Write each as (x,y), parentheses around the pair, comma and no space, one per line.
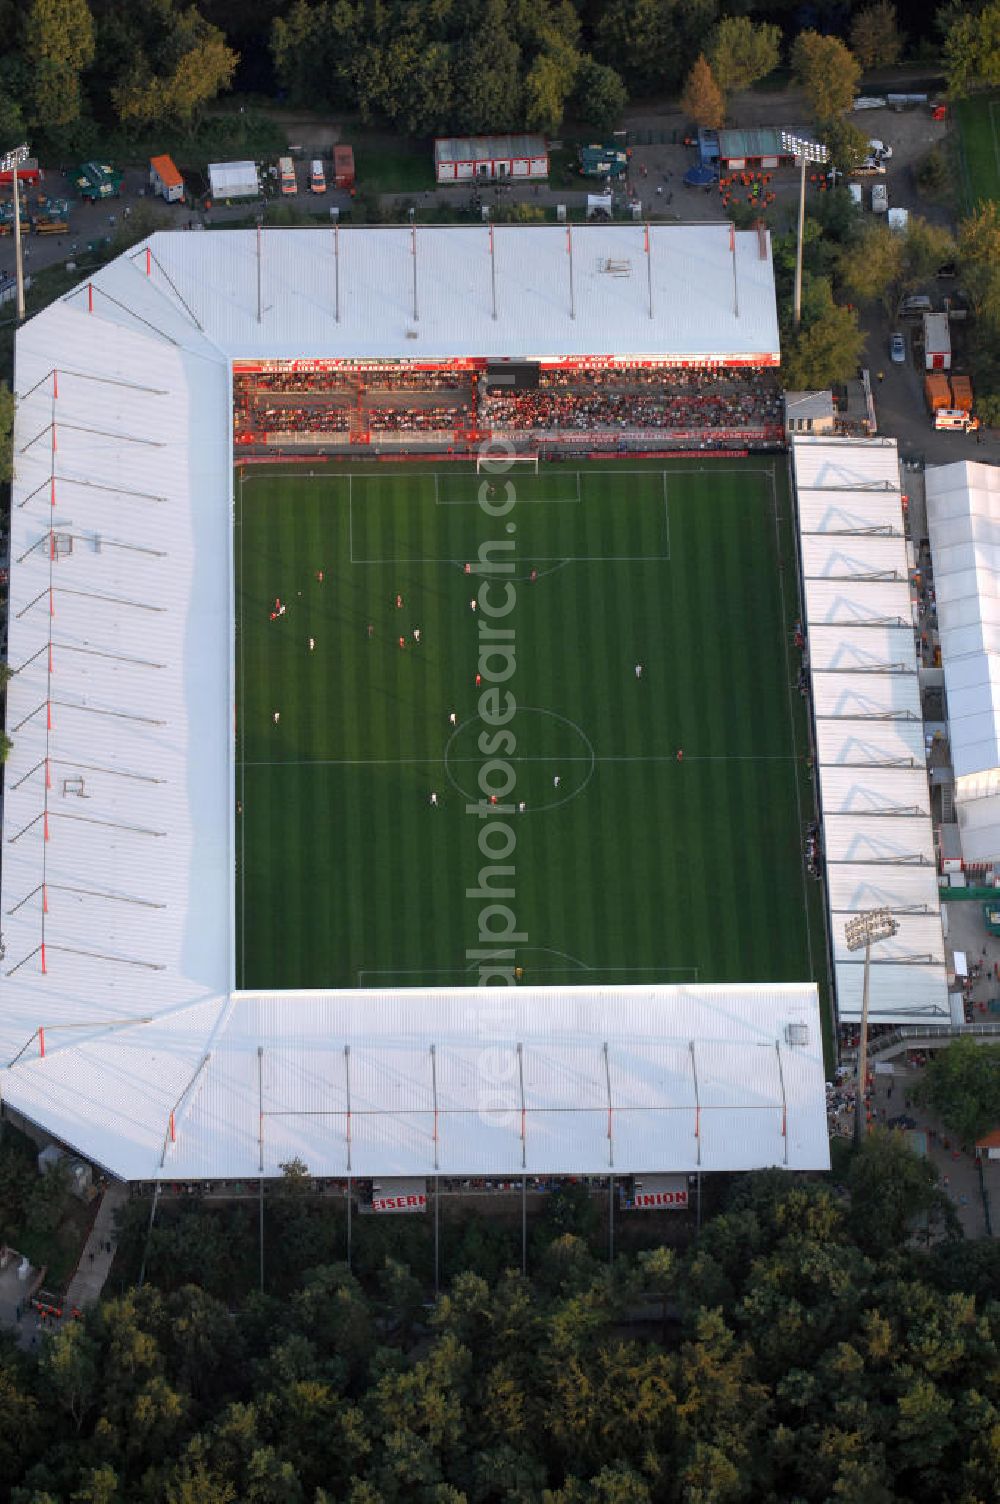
(414,1202)
(648,1201)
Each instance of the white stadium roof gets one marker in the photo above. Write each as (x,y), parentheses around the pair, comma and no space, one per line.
(963,520)
(120,1030)
(878,840)
(712,292)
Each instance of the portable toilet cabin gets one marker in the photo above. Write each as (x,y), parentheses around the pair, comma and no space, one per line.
(165,180)
(343,166)
(937,342)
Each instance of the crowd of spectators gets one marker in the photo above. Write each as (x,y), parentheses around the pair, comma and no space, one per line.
(635,397)
(397,419)
(323,418)
(704,404)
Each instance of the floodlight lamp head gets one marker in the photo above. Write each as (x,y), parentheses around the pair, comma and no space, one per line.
(800,146)
(867,927)
(14,157)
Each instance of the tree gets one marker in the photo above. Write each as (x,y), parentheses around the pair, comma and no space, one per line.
(59,40)
(599,96)
(702,98)
(979,255)
(6,747)
(741,51)
(875,38)
(653,43)
(182,64)
(872,267)
(971,46)
(825,352)
(548,85)
(848,143)
(890,1188)
(962,1085)
(828,72)
(6,432)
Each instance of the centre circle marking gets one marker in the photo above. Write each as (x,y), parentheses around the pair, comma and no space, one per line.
(476,796)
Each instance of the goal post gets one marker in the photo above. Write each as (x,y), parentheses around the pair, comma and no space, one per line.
(485,465)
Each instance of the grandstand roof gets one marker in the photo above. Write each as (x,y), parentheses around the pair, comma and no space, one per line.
(712,291)
(121,1031)
(878,840)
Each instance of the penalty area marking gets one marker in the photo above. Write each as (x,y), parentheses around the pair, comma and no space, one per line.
(691,973)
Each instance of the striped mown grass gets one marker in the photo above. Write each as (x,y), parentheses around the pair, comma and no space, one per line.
(635,866)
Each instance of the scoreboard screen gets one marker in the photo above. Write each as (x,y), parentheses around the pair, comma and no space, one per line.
(512,376)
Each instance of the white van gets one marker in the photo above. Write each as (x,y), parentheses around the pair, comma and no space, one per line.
(854,189)
(317,177)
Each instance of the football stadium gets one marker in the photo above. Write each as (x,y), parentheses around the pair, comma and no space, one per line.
(408,773)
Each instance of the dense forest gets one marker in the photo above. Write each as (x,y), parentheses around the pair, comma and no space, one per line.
(805,1346)
(70,67)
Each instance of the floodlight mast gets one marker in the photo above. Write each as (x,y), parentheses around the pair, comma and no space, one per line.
(806,151)
(10,162)
(864,930)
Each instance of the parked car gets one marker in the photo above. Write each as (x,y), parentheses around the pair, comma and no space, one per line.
(879,149)
(902,1121)
(897,349)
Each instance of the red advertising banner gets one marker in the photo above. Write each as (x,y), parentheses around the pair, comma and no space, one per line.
(415,1202)
(647,1201)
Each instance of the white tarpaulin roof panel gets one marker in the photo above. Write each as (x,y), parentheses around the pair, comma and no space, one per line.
(868,696)
(856,466)
(919,937)
(904,890)
(864,557)
(877,838)
(842,513)
(858,602)
(875,790)
(874,744)
(900,994)
(843,648)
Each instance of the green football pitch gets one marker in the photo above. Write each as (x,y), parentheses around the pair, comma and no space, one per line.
(979,124)
(631,864)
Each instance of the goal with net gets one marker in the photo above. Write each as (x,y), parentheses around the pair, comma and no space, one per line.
(495,465)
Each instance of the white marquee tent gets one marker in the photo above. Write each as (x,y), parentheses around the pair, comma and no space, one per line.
(963,520)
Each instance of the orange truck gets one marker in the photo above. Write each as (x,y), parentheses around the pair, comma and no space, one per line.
(937,391)
(961,393)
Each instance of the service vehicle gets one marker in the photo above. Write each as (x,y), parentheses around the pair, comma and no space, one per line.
(954,418)
(317,177)
(286,175)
